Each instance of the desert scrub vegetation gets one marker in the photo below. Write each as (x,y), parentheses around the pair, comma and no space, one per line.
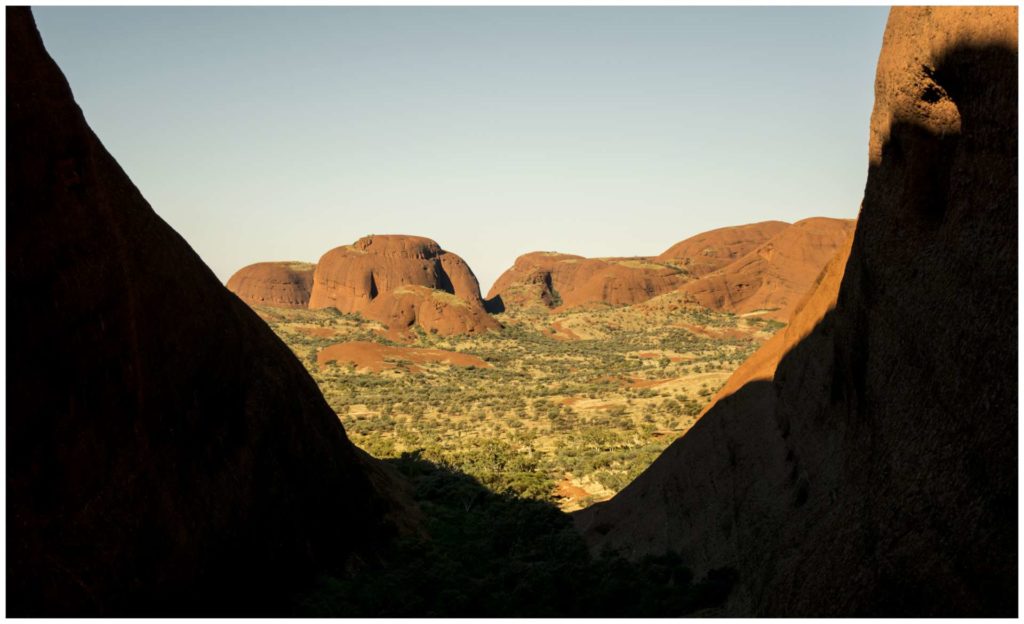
(547,412)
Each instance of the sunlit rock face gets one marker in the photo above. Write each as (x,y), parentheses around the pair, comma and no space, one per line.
(402,281)
(772,278)
(760,268)
(274,284)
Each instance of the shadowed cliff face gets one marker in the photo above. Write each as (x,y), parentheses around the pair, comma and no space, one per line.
(875,472)
(166,453)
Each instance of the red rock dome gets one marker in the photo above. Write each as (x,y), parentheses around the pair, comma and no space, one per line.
(776,275)
(401,281)
(275,284)
(715,249)
(551,279)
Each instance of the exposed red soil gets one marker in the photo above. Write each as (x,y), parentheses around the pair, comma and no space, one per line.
(563,333)
(567,490)
(318,332)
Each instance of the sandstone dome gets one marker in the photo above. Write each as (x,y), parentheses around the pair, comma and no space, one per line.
(776,275)
(709,251)
(401,281)
(556,280)
(275,284)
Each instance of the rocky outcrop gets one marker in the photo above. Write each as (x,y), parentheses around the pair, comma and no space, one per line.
(553,280)
(875,472)
(709,251)
(807,314)
(436,311)
(766,267)
(274,284)
(402,281)
(166,453)
(773,277)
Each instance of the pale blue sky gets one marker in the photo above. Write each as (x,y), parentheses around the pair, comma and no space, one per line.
(278,133)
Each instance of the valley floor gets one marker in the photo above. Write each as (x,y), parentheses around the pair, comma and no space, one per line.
(565,407)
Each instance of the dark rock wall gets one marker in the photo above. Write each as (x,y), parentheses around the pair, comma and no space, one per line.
(876,473)
(166,453)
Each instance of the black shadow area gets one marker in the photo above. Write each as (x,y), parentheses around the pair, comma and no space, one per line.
(497,555)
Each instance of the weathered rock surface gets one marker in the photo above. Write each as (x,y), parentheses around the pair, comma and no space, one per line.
(402,281)
(875,473)
(760,266)
(554,280)
(275,284)
(166,453)
(436,311)
(716,249)
(775,275)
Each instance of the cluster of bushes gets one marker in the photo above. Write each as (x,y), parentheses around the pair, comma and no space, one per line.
(454,414)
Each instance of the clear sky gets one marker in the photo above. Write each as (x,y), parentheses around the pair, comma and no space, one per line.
(279,133)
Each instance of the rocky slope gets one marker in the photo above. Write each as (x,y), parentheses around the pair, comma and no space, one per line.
(766,266)
(553,280)
(166,453)
(277,284)
(775,275)
(875,473)
(713,250)
(401,281)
